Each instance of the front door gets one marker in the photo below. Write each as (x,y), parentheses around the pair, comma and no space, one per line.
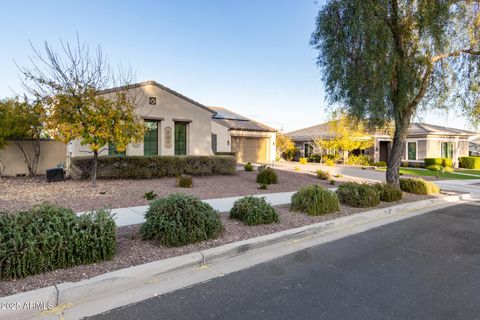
(180,139)
(384,150)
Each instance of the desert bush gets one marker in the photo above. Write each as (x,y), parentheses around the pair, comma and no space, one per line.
(184,181)
(419,186)
(150,195)
(323,175)
(329,163)
(332,182)
(303,160)
(49,237)
(469,162)
(315,158)
(142,167)
(253,211)
(248,166)
(179,220)
(315,200)
(267,175)
(360,160)
(359,195)
(388,193)
(263,186)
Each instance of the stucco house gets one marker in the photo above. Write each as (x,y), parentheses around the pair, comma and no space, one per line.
(423,141)
(178,126)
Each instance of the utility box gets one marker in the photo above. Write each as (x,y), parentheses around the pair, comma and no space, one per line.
(56,174)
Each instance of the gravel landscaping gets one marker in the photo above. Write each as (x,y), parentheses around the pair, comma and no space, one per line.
(131,250)
(20,193)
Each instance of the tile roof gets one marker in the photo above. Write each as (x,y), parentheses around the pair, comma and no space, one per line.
(234,121)
(322,131)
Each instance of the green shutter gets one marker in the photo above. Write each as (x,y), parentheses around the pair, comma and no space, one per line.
(150,141)
(180,138)
(412,151)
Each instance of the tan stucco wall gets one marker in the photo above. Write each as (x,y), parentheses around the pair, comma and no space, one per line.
(168,108)
(223,137)
(51,153)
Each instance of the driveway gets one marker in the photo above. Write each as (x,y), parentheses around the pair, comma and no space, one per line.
(426,267)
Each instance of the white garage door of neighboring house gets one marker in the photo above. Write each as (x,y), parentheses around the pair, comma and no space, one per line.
(250,149)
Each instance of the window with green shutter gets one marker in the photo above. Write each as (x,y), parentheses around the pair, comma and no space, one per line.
(150,140)
(447,150)
(180,138)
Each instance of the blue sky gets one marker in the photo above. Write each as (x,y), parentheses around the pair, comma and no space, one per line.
(251,56)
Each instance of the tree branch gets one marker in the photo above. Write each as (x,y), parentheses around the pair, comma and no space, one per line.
(453,54)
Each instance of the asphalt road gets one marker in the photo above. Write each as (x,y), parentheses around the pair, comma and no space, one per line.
(426,267)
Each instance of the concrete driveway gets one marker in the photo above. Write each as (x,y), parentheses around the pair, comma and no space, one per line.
(426,267)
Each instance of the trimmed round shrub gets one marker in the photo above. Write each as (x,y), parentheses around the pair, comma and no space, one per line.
(49,237)
(358,195)
(443,162)
(303,160)
(388,193)
(434,167)
(248,166)
(314,201)
(469,162)
(379,164)
(419,186)
(329,163)
(253,211)
(323,175)
(267,175)
(179,220)
(184,181)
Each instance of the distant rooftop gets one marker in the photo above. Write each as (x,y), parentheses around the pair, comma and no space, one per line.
(234,121)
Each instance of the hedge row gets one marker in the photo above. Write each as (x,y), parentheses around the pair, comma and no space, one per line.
(49,237)
(444,162)
(141,167)
(419,186)
(469,162)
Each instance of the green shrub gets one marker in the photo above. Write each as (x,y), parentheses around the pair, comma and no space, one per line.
(184,181)
(379,164)
(338,175)
(443,162)
(303,160)
(142,167)
(315,158)
(332,182)
(388,193)
(267,175)
(358,195)
(360,160)
(323,175)
(434,167)
(179,220)
(253,211)
(150,195)
(329,163)
(469,162)
(419,186)
(314,201)
(263,186)
(49,237)
(223,153)
(248,166)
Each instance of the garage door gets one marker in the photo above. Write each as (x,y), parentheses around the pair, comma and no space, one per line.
(250,149)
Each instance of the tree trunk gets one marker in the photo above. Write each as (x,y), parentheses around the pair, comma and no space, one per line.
(93,174)
(398,148)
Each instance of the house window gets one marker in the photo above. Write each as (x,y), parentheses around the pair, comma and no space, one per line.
(412,151)
(307,150)
(180,138)
(150,139)
(447,150)
(112,150)
(214,142)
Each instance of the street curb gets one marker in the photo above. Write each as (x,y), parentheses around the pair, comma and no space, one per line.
(129,278)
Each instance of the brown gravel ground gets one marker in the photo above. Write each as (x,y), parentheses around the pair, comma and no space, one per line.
(131,250)
(20,193)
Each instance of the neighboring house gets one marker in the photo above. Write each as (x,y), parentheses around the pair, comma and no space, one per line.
(178,126)
(251,141)
(423,141)
(474,146)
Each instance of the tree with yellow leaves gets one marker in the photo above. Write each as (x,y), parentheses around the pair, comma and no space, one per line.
(344,134)
(73,86)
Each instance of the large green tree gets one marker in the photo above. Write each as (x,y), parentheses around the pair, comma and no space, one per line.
(382,60)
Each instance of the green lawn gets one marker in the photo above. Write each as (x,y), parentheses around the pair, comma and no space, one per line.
(472,171)
(430,173)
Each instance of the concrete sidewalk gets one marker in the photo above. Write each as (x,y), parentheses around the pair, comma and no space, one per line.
(136,215)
